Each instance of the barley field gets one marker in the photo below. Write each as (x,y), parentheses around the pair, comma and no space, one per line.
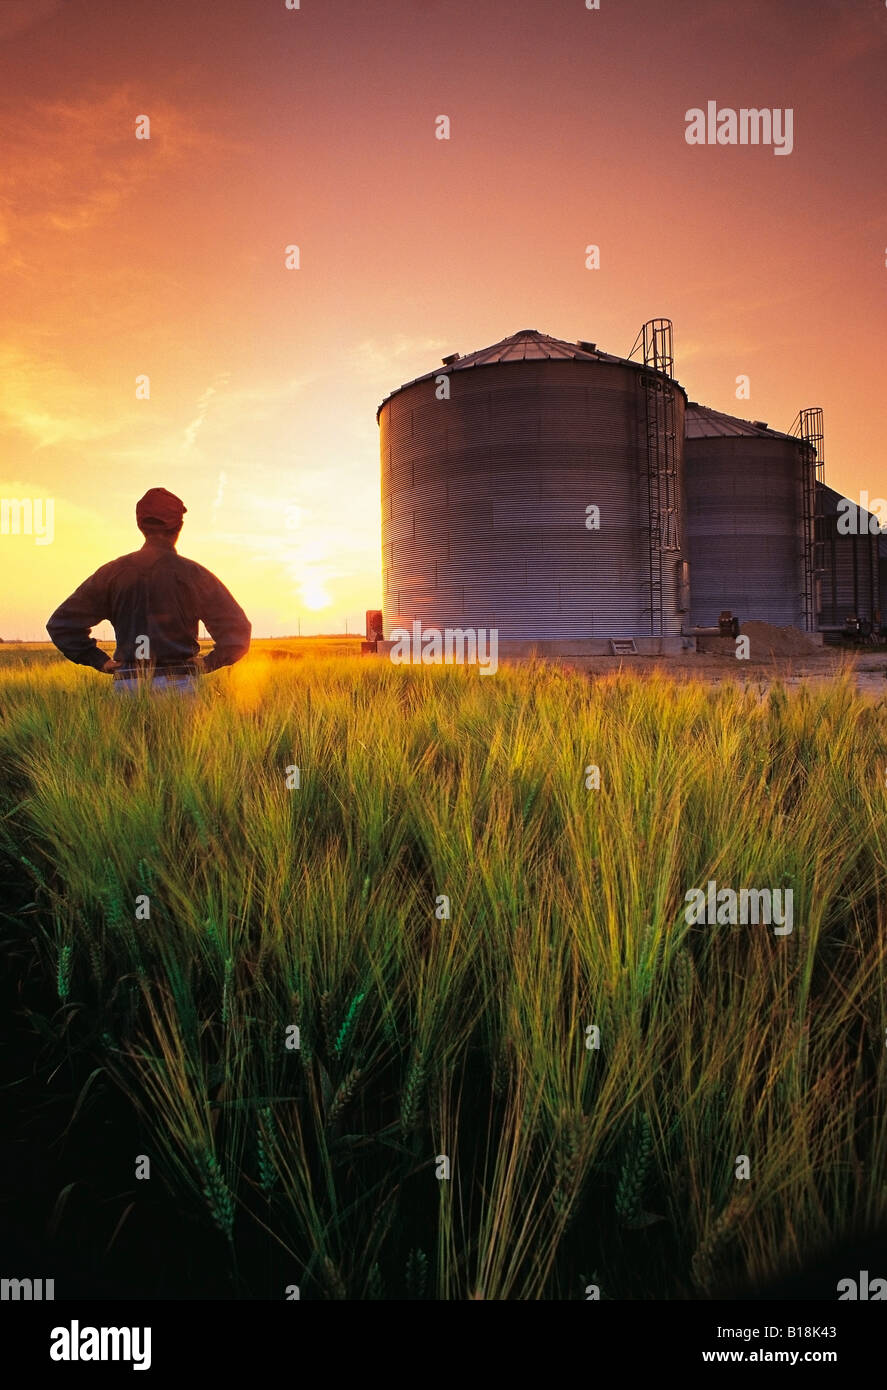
(398,1003)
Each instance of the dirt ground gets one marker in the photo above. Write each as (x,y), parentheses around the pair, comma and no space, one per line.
(774,653)
(823,664)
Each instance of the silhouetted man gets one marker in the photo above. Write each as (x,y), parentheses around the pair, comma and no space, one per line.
(155,599)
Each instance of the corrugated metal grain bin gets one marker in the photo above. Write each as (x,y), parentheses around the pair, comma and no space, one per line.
(750,496)
(850,584)
(485,495)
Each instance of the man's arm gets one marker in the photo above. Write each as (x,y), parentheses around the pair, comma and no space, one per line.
(226,623)
(70,623)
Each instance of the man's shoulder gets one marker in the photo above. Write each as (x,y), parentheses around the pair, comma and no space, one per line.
(190,569)
(144,559)
(138,561)
(114,566)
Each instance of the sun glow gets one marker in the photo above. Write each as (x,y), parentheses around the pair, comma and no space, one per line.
(314,595)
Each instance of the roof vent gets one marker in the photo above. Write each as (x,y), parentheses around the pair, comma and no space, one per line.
(586,347)
(761,424)
(448,361)
(526,330)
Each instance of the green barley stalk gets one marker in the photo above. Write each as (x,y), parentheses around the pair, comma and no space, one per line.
(416,1274)
(685,976)
(147,878)
(412,1094)
(265,1147)
(567,1160)
(344,1094)
(389,1028)
(720,1234)
(95,960)
(326,1015)
(115,909)
(226,990)
(217,1193)
(348,1023)
(63,976)
(34,870)
(333,1279)
(630,1190)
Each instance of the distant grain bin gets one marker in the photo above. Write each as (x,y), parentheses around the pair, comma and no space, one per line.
(849,583)
(490,468)
(750,520)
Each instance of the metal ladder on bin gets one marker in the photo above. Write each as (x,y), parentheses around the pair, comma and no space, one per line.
(661,457)
(808,427)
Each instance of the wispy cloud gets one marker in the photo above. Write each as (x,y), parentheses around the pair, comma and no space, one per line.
(49,403)
(202,407)
(70,164)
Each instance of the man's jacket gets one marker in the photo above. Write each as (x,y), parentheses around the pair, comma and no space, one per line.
(158,594)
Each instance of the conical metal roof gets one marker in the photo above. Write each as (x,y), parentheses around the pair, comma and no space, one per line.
(527,345)
(830,502)
(701,422)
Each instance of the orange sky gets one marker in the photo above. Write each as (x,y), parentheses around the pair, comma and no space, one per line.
(165,256)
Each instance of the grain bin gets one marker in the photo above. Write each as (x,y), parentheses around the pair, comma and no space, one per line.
(849,544)
(490,465)
(750,508)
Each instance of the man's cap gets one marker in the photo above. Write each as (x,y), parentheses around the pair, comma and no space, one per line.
(160,505)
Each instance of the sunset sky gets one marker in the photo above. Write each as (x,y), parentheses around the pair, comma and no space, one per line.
(316,127)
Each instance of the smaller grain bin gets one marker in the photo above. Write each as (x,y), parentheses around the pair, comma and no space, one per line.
(750,494)
(849,561)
